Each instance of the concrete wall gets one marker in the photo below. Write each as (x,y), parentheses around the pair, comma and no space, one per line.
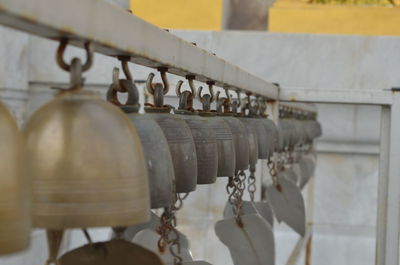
(346,181)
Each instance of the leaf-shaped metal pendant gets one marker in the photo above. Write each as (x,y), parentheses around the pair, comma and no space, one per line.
(288,204)
(307,165)
(149,238)
(291,175)
(262,208)
(251,243)
(153,224)
(112,252)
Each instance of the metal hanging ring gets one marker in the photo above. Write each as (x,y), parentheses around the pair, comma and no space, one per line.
(67,67)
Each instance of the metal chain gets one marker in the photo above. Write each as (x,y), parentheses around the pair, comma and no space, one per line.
(251,184)
(169,236)
(235,189)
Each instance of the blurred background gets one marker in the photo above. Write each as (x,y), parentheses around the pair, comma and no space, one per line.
(342,44)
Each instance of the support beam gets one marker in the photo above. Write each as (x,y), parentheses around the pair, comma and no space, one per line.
(337,96)
(388,223)
(114,32)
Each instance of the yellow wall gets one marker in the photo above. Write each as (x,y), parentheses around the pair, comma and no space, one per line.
(180,14)
(293,16)
(296,16)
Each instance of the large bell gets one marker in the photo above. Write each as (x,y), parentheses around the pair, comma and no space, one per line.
(87,164)
(14,187)
(158,158)
(203,135)
(178,135)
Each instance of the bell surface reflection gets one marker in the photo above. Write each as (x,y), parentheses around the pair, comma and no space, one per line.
(14,187)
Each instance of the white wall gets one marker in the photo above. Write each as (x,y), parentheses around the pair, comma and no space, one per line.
(346,183)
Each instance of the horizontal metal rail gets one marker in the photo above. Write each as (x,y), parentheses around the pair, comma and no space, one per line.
(340,96)
(116,32)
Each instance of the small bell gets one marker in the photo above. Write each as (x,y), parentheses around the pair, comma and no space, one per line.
(177,133)
(239,132)
(204,136)
(14,187)
(223,134)
(157,155)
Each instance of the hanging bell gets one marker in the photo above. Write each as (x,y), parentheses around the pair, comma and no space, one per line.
(239,132)
(14,187)
(203,135)
(271,141)
(177,133)
(158,158)
(251,128)
(86,162)
(223,134)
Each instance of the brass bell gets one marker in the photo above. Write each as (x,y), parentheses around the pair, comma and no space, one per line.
(177,133)
(158,158)
(203,135)
(86,162)
(239,132)
(14,187)
(223,134)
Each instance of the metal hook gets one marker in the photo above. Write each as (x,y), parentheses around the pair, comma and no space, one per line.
(191,84)
(123,86)
(124,63)
(237,103)
(67,67)
(163,73)
(178,88)
(149,83)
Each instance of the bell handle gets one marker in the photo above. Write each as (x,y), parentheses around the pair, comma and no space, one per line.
(123,86)
(67,67)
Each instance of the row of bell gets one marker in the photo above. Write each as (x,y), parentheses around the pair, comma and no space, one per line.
(88,164)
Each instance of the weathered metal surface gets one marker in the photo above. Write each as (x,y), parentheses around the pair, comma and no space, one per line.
(288,204)
(273,138)
(155,146)
(225,146)
(113,252)
(250,244)
(205,141)
(155,47)
(262,137)
(252,141)
(182,148)
(14,187)
(240,140)
(87,164)
(158,160)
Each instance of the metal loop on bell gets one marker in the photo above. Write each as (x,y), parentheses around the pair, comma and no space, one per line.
(124,86)
(185,97)
(67,67)
(237,104)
